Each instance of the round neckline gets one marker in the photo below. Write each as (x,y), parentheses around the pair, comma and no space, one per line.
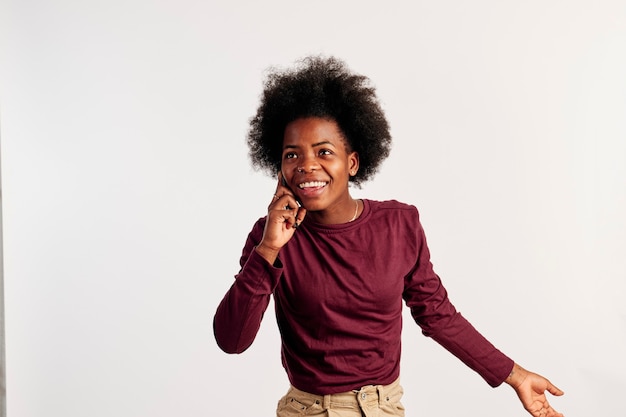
(312,224)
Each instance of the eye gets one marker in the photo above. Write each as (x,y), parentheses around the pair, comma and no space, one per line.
(290,155)
(325,152)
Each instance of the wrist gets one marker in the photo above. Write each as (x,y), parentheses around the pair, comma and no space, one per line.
(269,253)
(517,376)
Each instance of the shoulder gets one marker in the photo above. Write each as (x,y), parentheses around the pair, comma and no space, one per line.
(398,222)
(387,207)
(393,212)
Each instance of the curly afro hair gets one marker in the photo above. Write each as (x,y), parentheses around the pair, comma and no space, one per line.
(320,87)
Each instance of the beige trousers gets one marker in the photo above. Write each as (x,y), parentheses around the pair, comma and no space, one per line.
(369,401)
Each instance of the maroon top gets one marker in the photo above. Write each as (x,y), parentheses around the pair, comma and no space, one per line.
(338,293)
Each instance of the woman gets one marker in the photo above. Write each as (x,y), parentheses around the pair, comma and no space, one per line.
(339,267)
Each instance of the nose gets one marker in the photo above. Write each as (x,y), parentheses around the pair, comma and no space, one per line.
(307,163)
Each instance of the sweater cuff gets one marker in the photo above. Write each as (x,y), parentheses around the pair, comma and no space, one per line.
(258,268)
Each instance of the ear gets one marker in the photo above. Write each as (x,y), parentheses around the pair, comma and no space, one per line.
(353,163)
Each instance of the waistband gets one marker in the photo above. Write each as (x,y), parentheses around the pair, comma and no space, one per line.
(368,393)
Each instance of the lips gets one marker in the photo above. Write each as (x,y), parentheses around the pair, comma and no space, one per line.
(312,184)
(311,189)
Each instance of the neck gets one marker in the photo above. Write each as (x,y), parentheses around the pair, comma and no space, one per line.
(345,212)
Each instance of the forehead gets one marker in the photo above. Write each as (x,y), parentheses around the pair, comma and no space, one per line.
(313,131)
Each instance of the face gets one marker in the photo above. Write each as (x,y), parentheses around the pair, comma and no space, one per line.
(317,165)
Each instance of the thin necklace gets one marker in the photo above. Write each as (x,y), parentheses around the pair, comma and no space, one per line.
(356,210)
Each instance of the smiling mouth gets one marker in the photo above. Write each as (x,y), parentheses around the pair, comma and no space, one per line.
(312,184)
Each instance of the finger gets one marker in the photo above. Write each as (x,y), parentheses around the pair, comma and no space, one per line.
(300,216)
(288,202)
(289,216)
(554,390)
(283,201)
(282,187)
(279,192)
(275,199)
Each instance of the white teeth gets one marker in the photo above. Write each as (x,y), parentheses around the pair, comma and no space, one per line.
(312,184)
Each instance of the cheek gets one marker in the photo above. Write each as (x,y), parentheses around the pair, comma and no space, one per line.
(287,166)
(288,169)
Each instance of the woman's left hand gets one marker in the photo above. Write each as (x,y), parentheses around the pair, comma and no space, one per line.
(530,388)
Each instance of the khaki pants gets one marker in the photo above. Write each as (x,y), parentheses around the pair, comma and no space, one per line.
(369,401)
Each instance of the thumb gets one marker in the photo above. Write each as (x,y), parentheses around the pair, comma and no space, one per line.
(554,390)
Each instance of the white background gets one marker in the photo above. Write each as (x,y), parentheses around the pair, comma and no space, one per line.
(128,193)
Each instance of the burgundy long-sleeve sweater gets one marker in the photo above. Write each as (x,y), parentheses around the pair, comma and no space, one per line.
(338,292)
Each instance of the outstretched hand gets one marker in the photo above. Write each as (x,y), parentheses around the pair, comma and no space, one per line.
(530,388)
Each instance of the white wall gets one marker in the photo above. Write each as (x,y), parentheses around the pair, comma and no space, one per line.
(128,192)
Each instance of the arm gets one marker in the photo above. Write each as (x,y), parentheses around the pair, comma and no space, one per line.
(439,319)
(239,315)
(431,308)
(531,388)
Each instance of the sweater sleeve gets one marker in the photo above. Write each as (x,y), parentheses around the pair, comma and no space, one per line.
(238,316)
(432,310)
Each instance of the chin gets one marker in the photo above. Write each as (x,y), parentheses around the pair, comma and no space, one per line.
(313,206)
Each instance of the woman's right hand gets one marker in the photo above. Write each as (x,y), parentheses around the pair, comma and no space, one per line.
(284,215)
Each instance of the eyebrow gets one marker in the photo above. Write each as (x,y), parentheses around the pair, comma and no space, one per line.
(324,142)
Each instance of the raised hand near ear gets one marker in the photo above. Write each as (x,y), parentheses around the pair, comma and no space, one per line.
(284,215)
